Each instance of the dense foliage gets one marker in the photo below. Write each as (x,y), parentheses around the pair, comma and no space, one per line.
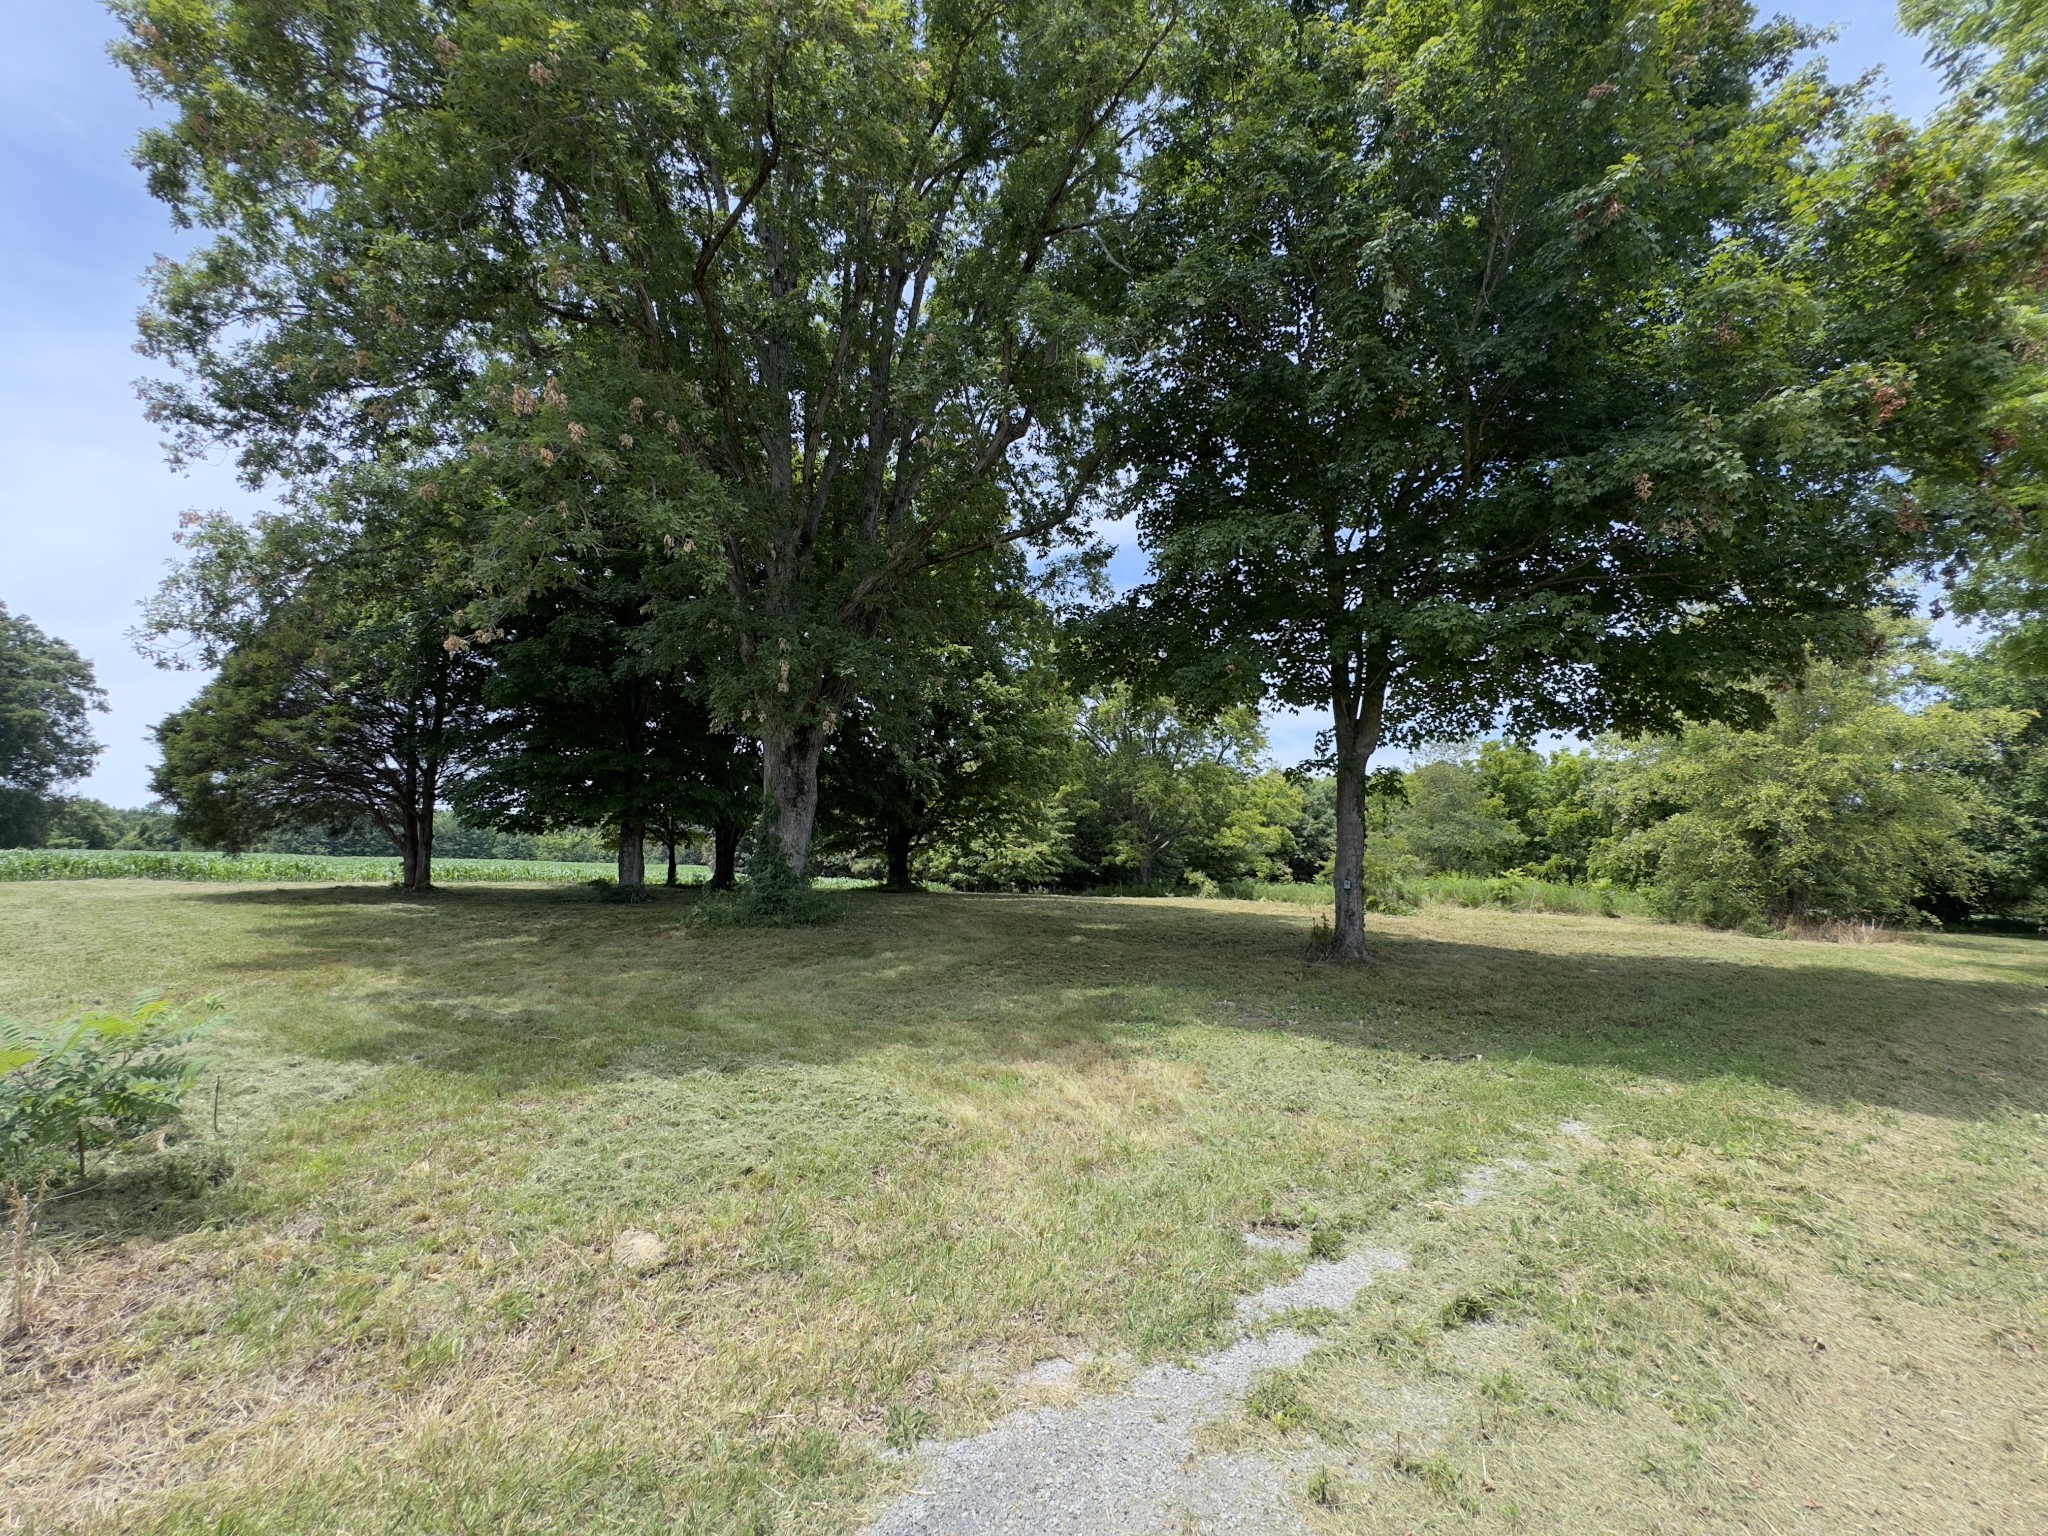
(1581,365)
(47,692)
(341,695)
(689,421)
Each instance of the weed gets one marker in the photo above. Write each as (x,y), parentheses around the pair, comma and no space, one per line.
(1326,1243)
(1501,1387)
(1322,939)
(1464,1309)
(1276,1398)
(754,907)
(95,1080)
(1322,1488)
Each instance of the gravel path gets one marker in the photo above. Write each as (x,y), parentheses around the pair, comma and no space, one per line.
(1127,1464)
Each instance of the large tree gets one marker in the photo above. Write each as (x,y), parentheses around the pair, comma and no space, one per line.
(786,285)
(969,739)
(586,725)
(343,694)
(47,693)
(1540,363)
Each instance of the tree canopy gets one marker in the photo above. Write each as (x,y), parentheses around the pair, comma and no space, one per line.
(1562,365)
(342,693)
(47,696)
(781,287)
(676,410)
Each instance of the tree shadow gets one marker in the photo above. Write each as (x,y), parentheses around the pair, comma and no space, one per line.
(531,986)
(148,1197)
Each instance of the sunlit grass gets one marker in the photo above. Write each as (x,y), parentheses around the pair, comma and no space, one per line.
(893,1161)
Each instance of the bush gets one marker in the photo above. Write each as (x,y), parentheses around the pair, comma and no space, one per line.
(94,1081)
(773,895)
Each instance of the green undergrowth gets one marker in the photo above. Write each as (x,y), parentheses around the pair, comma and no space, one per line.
(1511,893)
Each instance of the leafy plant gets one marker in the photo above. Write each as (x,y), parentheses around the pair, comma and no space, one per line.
(774,895)
(1322,1488)
(97,1080)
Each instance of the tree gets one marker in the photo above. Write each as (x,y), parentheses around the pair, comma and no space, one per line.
(969,740)
(1995,51)
(344,693)
(1450,825)
(1846,804)
(1159,793)
(1537,364)
(1552,802)
(47,692)
(584,726)
(2007,839)
(785,286)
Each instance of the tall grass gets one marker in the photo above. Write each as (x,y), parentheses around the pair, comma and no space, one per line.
(126,864)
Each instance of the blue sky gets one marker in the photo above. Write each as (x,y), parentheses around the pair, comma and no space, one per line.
(87,506)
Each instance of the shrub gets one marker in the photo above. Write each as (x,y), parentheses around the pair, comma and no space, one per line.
(96,1080)
(774,895)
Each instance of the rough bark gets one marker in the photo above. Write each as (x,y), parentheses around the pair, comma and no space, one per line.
(632,855)
(416,850)
(897,843)
(1358,702)
(1349,874)
(725,856)
(789,786)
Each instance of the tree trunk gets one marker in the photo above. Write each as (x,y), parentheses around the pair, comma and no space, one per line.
(725,856)
(789,785)
(896,845)
(1357,738)
(416,851)
(672,879)
(632,855)
(1349,876)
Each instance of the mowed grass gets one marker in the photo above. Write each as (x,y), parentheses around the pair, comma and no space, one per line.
(1791,1275)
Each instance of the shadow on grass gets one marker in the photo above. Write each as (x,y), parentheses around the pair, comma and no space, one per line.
(554,986)
(153,1197)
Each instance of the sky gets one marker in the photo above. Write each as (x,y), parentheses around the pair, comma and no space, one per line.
(87,504)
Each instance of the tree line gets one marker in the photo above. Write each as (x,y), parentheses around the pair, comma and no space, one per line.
(698,415)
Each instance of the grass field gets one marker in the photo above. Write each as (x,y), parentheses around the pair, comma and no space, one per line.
(1788,1272)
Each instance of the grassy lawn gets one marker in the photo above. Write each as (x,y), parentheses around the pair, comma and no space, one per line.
(1788,1277)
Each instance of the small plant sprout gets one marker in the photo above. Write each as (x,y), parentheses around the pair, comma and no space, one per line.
(1322,1488)
(97,1080)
